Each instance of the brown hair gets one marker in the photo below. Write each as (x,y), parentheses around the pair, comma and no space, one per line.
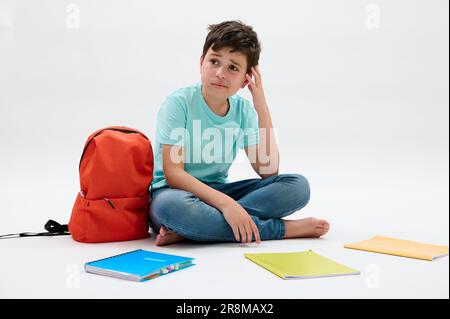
(234,35)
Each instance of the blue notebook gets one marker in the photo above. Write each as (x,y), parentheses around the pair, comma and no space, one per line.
(138,265)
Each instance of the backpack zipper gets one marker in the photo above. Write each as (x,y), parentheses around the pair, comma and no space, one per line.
(110,203)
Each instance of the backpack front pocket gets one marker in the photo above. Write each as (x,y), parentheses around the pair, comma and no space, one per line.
(110,219)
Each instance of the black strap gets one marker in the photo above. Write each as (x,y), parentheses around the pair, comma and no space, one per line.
(52,229)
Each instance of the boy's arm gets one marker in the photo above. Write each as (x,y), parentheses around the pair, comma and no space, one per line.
(263,170)
(264,157)
(237,217)
(177,177)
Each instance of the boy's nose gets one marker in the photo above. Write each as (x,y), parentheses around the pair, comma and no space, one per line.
(219,72)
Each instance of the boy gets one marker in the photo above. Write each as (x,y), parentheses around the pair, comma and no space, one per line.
(199,131)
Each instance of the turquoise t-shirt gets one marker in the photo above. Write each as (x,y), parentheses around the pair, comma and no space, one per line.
(210,141)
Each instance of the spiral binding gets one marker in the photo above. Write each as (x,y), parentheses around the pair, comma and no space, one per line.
(126,253)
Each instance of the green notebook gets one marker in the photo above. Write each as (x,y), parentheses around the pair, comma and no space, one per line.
(300,265)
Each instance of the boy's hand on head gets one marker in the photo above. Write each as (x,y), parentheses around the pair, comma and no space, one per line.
(241,223)
(256,87)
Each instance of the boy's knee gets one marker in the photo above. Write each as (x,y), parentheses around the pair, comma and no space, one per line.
(299,188)
(173,204)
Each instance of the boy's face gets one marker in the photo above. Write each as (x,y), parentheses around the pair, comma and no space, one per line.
(223,72)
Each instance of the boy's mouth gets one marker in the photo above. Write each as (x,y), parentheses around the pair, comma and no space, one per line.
(218,85)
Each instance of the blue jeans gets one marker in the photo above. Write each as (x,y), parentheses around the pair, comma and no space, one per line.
(265,200)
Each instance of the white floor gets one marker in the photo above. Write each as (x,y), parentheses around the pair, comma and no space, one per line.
(52,268)
(388,201)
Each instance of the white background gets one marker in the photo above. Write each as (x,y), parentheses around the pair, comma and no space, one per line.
(358,91)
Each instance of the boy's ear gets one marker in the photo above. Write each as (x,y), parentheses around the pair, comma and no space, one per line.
(244,84)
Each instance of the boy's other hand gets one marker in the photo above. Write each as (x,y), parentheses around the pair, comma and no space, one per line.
(241,223)
(256,87)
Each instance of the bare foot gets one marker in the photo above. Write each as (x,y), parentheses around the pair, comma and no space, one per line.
(306,228)
(166,237)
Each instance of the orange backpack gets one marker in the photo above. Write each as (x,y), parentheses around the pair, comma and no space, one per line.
(116,170)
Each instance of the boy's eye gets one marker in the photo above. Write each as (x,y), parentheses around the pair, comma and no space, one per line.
(232,67)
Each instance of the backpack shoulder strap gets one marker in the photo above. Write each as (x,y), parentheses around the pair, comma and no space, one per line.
(52,229)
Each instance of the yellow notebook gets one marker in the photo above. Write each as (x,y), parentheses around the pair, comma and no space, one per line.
(300,265)
(399,247)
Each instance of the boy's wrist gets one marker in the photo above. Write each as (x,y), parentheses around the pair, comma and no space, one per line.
(223,201)
(261,108)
